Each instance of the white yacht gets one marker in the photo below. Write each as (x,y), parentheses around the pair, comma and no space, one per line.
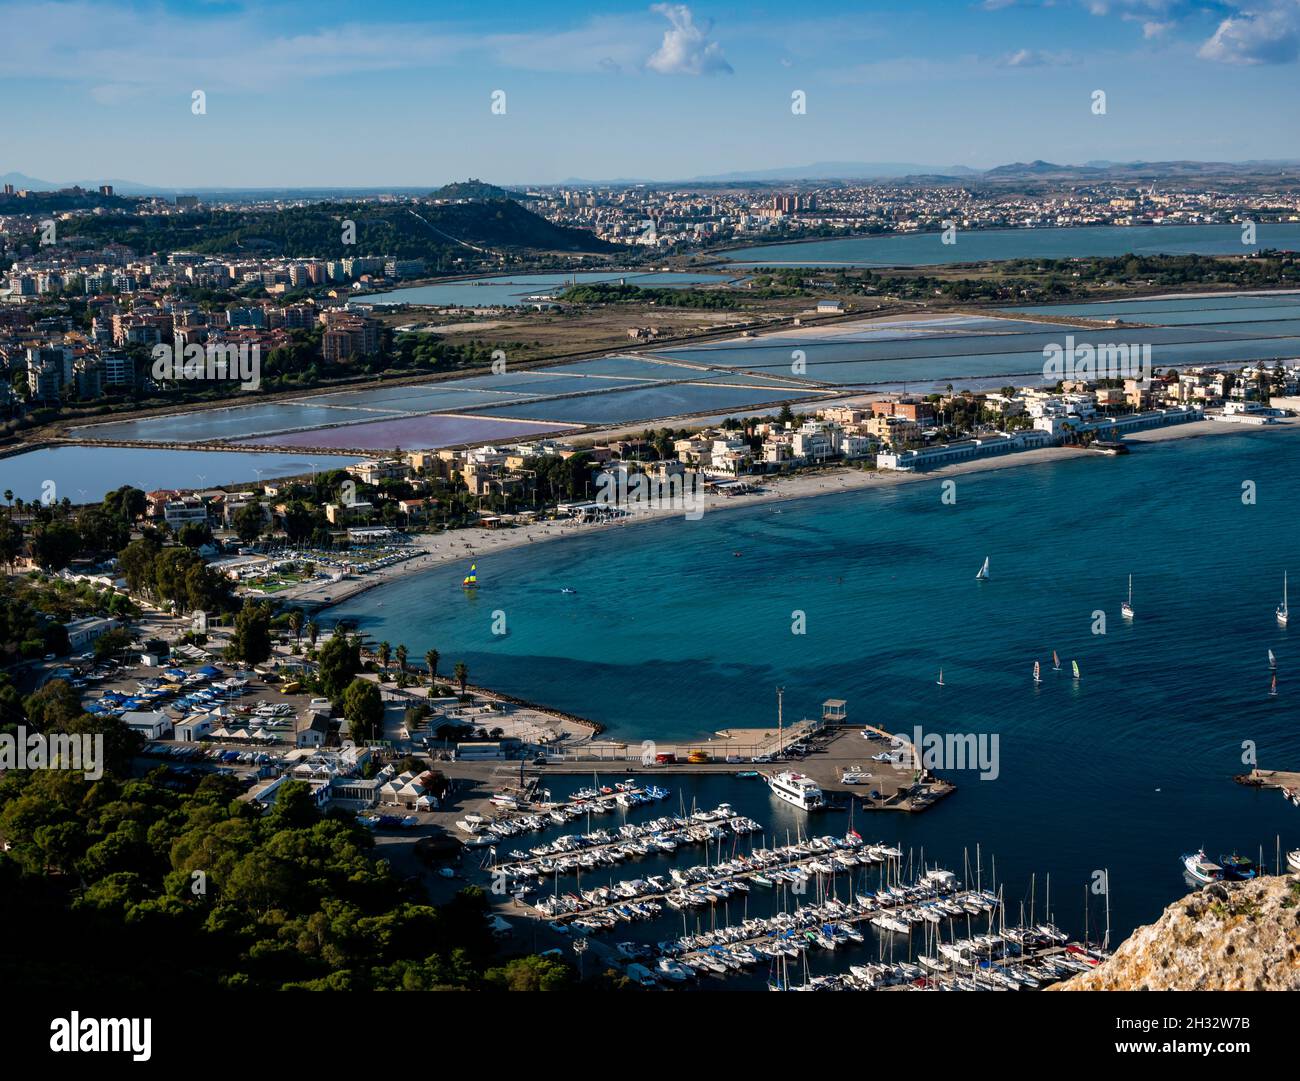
(795,788)
(1293,860)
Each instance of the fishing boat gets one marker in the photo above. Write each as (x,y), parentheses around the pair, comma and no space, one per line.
(1126,609)
(939,681)
(1272,690)
(471,580)
(803,792)
(1037,676)
(1272,661)
(1075,666)
(983,574)
(1282,608)
(1237,868)
(1198,865)
(1056,662)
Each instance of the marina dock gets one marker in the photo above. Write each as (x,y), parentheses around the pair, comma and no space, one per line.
(826,750)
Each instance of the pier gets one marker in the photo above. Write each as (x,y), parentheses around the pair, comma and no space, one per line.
(820,749)
(1270,778)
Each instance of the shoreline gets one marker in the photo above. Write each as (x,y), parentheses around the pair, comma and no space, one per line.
(468,545)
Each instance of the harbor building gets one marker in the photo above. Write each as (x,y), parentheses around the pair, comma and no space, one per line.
(983,446)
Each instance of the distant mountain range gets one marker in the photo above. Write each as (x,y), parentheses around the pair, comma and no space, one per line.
(120,187)
(824,170)
(841,170)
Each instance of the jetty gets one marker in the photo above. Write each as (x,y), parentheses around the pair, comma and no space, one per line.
(880,765)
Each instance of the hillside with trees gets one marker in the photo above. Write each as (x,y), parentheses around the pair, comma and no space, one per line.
(405,231)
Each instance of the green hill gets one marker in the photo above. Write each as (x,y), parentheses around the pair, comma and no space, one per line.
(404,230)
(478,190)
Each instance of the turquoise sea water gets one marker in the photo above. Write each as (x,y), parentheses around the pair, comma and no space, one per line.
(671,635)
(928,249)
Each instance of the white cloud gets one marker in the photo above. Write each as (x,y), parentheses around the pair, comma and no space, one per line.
(1037,58)
(1152,29)
(119,51)
(1269,36)
(686,48)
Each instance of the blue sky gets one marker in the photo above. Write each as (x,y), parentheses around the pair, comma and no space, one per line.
(328,93)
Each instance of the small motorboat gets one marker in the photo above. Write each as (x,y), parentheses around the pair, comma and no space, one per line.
(1199,866)
(566,589)
(1237,868)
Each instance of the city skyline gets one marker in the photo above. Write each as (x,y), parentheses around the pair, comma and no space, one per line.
(304,96)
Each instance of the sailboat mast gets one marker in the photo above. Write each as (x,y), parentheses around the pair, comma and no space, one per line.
(1105,942)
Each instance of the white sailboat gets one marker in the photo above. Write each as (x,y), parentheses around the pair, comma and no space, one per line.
(983,574)
(939,681)
(1037,677)
(1126,609)
(1281,608)
(1272,661)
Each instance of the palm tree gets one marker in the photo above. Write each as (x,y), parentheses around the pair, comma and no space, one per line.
(295,624)
(461,672)
(9,496)
(383,653)
(312,631)
(431,659)
(401,657)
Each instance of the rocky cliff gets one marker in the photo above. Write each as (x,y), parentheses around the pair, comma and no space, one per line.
(1237,936)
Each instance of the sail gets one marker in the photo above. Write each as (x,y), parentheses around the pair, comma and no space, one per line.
(1056,661)
(471,579)
(1036,670)
(984,570)
(1272,661)
(1075,666)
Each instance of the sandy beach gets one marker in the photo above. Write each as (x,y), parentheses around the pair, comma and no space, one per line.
(466,545)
